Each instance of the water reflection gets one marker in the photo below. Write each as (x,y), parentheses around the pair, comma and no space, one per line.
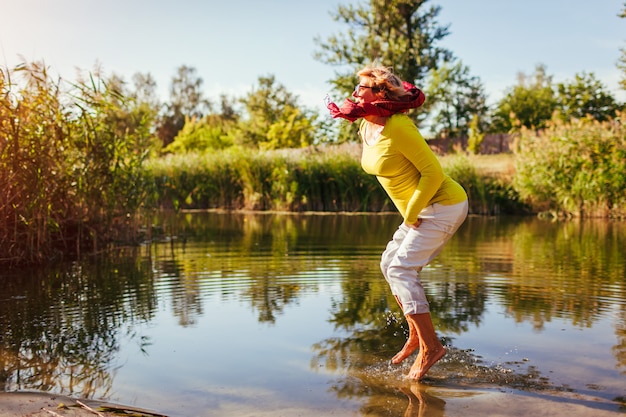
(60,327)
(423,404)
(67,330)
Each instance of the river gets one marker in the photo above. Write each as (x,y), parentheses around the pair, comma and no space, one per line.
(269,314)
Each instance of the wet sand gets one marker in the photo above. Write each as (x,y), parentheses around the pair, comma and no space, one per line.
(438,402)
(25,404)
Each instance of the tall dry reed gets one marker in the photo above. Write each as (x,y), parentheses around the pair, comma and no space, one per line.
(71,165)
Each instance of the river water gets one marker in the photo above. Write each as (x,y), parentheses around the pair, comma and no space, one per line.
(265,314)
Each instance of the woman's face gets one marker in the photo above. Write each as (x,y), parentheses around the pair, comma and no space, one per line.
(364,91)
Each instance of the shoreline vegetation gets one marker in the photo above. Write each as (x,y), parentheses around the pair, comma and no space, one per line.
(82,171)
(326,178)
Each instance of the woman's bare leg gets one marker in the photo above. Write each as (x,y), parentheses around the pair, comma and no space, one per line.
(431,349)
(412,343)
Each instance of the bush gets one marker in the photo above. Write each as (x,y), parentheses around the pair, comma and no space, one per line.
(574,169)
(487,194)
(210,132)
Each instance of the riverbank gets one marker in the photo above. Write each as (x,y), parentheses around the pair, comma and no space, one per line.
(421,401)
(31,404)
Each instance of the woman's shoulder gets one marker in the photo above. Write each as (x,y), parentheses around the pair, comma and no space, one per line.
(399,119)
(403,130)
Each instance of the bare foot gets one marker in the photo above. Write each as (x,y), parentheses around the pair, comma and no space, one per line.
(409,347)
(424,361)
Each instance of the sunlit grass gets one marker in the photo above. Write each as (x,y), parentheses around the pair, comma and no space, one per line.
(322,178)
(574,169)
(497,165)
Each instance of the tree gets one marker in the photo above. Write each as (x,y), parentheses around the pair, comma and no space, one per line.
(213,131)
(227,108)
(145,90)
(621,64)
(530,103)
(294,129)
(475,137)
(186,101)
(585,96)
(274,118)
(142,101)
(208,133)
(393,32)
(456,98)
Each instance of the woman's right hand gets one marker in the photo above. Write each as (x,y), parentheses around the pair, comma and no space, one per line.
(416,224)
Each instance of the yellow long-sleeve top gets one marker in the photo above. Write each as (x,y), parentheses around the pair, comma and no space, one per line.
(408,169)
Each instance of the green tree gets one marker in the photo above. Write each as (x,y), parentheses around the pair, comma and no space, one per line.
(476,136)
(142,98)
(213,131)
(585,96)
(274,118)
(621,63)
(294,129)
(186,101)
(400,33)
(530,103)
(145,90)
(209,133)
(227,108)
(455,98)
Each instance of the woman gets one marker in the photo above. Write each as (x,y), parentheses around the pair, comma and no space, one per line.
(432,204)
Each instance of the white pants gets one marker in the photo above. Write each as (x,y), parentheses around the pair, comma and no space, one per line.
(411,249)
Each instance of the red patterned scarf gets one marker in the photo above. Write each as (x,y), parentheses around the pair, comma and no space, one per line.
(353,111)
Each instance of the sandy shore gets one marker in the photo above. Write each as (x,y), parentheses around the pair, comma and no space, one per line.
(25,404)
(457,403)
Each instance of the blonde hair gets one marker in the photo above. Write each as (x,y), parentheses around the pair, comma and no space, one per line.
(384,80)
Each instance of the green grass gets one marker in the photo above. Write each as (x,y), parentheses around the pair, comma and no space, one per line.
(325,178)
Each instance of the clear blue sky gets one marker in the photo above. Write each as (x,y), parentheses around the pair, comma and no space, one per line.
(231,43)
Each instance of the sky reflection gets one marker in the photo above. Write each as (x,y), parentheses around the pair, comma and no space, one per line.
(237,314)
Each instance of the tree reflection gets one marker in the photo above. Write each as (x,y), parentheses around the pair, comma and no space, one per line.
(537,270)
(619,350)
(265,259)
(61,329)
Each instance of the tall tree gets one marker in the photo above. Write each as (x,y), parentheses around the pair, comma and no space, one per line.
(213,131)
(145,90)
(274,118)
(400,33)
(186,93)
(621,64)
(585,96)
(186,101)
(530,103)
(456,98)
